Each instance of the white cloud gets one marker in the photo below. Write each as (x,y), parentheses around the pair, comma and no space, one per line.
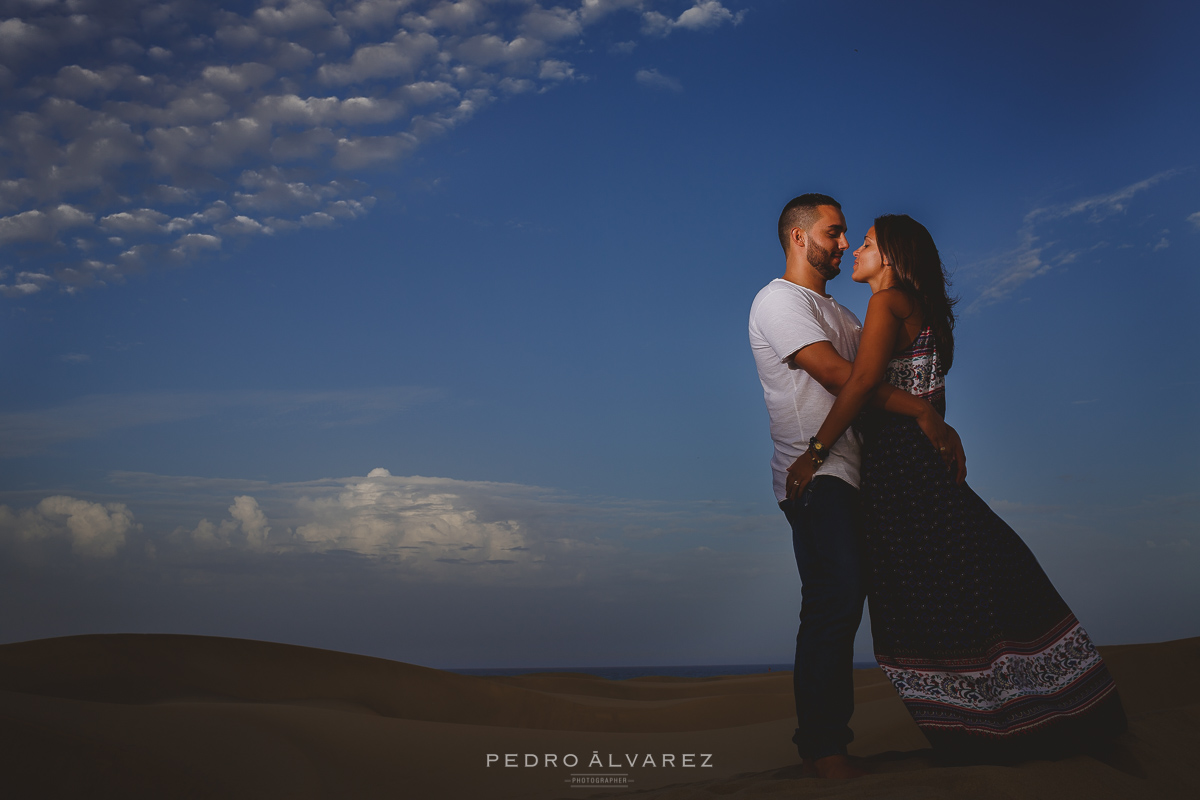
(454,16)
(551,24)
(654,79)
(1010,270)
(1035,256)
(192,243)
(26,283)
(242,225)
(371,13)
(142,115)
(438,528)
(364,151)
(290,109)
(93,529)
(19,289)
(142,220)
(18,38)
(655,23)
(412,519)
(489,50)
(269,190)
(41,225)
(423,92)
(318,219)
(292,14)
(708,14)
(1194,219)
(238,78)
(75,81)
(399,57)
(575,566)
(26,226)
(555,70)
(247,528)
(591,10)
(1101,205)
(704,14)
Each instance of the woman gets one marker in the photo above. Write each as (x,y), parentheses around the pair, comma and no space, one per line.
(985,654)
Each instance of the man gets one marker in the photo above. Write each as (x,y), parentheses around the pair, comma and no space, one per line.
(804,342)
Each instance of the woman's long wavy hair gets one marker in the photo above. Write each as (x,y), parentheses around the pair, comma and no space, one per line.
(907,246)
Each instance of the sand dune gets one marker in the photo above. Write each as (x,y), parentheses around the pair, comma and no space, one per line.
(164,716)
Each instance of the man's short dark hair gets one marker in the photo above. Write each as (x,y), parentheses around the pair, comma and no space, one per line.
(801,212)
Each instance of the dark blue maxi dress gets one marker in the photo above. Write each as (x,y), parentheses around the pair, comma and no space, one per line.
(985,654)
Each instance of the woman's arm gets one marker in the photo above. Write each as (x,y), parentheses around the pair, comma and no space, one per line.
(885,315)
(832,371)
(827,366)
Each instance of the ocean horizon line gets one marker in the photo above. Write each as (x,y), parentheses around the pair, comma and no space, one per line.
(627,672)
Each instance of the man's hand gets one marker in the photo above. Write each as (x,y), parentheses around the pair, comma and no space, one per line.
(799,475)
(946,440)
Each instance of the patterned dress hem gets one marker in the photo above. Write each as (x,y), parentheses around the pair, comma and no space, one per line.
(987,657)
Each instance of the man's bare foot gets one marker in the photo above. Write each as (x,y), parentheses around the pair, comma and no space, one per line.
(839,767)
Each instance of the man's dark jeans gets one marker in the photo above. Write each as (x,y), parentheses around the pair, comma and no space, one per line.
(825,538)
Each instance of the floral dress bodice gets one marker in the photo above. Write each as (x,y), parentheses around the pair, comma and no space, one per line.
(916,370)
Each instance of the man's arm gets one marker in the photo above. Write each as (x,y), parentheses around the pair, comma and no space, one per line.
(832,371)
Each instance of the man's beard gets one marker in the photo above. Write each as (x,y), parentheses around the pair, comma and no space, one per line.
(822,260)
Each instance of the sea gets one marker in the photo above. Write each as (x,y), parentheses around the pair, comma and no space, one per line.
(625,673)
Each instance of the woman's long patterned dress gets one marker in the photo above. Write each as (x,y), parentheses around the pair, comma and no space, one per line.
(989,660)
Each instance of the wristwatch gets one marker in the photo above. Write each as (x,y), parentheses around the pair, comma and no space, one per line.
(818,452)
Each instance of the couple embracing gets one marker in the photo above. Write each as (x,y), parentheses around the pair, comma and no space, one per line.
(986,656)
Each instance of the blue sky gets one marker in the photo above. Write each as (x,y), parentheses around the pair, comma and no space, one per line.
(502,254)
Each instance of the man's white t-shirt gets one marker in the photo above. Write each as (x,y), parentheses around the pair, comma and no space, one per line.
(784,318)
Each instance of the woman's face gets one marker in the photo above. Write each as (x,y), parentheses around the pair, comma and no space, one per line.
(868,263)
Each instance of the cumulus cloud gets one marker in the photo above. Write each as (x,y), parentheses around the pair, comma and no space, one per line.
(142,220)
(553,69)
(247,528)
(127,121)
(400,57)
(1194,219)
(653,79)
(41,226)
(94,530)
(487,562)
(18,38)
(428,524)
(24,283)
(704,14)
(439,529)
(426,520)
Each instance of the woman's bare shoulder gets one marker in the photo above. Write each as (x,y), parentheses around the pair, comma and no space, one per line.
(895,300)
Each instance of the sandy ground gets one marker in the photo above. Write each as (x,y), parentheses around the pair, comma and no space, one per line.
(164,716)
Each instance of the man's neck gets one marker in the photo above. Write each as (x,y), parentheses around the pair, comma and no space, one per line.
(804,275)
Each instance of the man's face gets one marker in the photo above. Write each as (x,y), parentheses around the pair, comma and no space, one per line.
(825,242)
